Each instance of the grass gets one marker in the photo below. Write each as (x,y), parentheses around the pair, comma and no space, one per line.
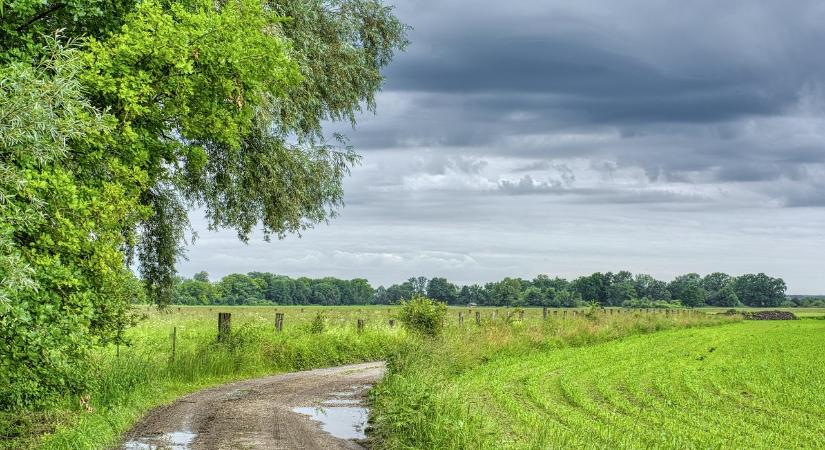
(737,385)
(128,382)
(144,375)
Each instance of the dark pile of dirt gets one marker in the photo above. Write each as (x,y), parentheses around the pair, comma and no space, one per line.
(770,315)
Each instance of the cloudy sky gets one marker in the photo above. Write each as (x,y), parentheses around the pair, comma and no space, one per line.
(566,137)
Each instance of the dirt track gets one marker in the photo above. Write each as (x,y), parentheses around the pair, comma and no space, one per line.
(257,414)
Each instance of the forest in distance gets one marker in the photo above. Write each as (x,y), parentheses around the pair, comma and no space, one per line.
(606,289)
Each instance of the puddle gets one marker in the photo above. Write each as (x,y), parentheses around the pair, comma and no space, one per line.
(340,401)
(345,422)
(178,440)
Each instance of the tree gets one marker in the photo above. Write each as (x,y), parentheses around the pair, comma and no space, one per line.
(61,290)
(473,294)
(157,108)
(688,289)
(506,292)
(442,290)
(418,285)
(216,105)
(593,287)
(325,293)
(760,290)
(725,297)
(239,289)
(534,296)
(621,292)
(361,291)
(647,286)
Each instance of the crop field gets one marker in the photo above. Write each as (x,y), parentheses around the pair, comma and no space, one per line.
(741,385)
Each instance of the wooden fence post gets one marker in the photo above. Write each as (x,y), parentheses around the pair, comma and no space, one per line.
(461,319)
(360,325)
(224,326)
(544,313)
(478,317)
(521,316)
(174,342)
(279,322)
(392,323)
(564,313)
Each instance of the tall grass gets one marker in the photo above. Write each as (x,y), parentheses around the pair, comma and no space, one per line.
(128,381)
(421,403)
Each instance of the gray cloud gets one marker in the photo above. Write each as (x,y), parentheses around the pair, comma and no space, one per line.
(566,137)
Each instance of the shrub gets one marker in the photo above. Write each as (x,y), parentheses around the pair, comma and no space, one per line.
(423,315)
(318,324)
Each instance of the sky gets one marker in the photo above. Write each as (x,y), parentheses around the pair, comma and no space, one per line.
(568,137)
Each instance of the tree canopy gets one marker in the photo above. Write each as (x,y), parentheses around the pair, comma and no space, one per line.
(119,117)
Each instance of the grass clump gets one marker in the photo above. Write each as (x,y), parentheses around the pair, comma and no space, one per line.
(423,316)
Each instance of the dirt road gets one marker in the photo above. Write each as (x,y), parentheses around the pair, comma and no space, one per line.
(274,412)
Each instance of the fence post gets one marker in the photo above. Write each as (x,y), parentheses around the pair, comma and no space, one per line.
(224,326)
(360,325)
(521,316)
(174,342)
(564,313)
(544,313)
(461,319)
(478,317)
(279,322)
(392,323)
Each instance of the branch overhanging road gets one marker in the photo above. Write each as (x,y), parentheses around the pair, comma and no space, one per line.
(263,413)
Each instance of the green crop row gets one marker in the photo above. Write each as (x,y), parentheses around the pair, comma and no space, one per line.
(739,385)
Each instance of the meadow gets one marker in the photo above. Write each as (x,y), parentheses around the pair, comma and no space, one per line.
(750,384)
(475,386)
(129,380)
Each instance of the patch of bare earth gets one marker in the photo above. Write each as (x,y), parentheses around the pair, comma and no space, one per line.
(297,410)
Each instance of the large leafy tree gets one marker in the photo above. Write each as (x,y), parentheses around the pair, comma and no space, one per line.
(159,107)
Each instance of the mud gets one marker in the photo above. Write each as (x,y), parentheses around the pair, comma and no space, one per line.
(317,409)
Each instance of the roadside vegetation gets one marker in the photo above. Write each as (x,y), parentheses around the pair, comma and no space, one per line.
(604,380)
(144,372)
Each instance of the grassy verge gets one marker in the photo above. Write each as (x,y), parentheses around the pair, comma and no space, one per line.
(740,385)
(144,375)
(426,401)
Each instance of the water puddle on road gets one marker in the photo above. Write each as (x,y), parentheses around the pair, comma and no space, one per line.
(177,440)
(344,422)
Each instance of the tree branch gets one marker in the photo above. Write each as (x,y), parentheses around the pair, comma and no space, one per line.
(40,16)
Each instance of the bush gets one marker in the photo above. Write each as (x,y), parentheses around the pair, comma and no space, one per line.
(423,315)
(648,303)
(318,324)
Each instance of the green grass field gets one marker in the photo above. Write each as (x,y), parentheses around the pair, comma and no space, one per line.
(128,381)
(742,385)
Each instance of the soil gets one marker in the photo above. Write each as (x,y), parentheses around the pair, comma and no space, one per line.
(258,413)
(771,315)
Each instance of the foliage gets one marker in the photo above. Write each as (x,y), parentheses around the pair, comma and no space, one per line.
(759,290)
(64,285)
(318,323)
(423,316)
(688,289)
(649,303)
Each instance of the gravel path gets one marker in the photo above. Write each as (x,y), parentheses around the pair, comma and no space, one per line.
(263,413)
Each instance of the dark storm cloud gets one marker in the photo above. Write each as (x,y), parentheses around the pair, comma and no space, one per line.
(678,87)
(564,137)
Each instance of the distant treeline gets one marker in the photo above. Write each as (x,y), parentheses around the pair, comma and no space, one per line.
(607,289)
